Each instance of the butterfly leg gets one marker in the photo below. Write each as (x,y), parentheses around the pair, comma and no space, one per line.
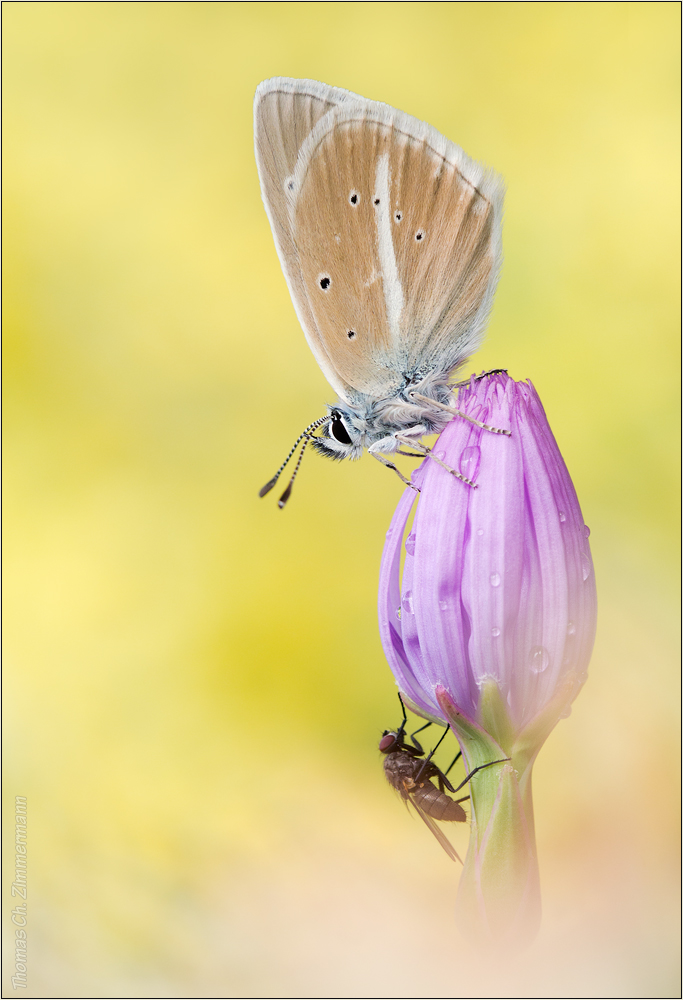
(478,423)
(459,413)
(390,465)
(429,453)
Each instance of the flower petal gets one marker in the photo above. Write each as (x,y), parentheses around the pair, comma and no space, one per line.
(390,605)
(498,581)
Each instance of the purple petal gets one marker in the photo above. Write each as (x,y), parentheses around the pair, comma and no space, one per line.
(498,580)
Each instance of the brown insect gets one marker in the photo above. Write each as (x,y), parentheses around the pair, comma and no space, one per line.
(412,777)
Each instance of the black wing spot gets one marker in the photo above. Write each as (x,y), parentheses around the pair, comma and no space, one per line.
(351,334)
(354,197)
(420,235)
(376,201)
(398,216)
(325,281)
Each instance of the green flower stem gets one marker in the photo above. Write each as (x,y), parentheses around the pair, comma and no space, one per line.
(499,900)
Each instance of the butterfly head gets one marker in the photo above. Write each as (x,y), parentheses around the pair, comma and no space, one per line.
(341,436)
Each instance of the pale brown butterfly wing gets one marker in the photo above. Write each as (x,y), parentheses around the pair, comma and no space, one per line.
(334,222)
(445,220)
(398,240)
(388,234)
(285,112)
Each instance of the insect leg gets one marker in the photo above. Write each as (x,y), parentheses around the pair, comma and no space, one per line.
(459,413)
(429,756)
(478,423)
(480,768)
(413,735)
(402,729)
(390,465)
(429,453)
(444,783)
(443,780)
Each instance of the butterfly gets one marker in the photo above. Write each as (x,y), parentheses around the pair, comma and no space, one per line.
(389,237)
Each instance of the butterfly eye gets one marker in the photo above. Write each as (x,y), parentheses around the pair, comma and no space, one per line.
(338,431)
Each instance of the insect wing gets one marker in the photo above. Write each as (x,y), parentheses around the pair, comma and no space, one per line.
(438,833)
(398,235)
(352,289)
(388,234)
(285,111)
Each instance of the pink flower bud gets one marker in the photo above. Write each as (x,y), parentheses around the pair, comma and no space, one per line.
(491,626)
(498,580)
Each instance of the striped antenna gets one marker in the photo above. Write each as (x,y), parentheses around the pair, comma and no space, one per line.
(286,495)
(304,434)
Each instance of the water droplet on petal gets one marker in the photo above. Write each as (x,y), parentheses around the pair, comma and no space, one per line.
(480,531)
(408,602)
(539,659)
(586,567)
(495,631)
(410,544)
(390,532)
(443,605)
(586,531)
(571,628)
(563,516)
(469,462)
(441,454)
(573,678)
(495,579)
(566,712)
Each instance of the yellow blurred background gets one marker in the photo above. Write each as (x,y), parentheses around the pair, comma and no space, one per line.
(194,681)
